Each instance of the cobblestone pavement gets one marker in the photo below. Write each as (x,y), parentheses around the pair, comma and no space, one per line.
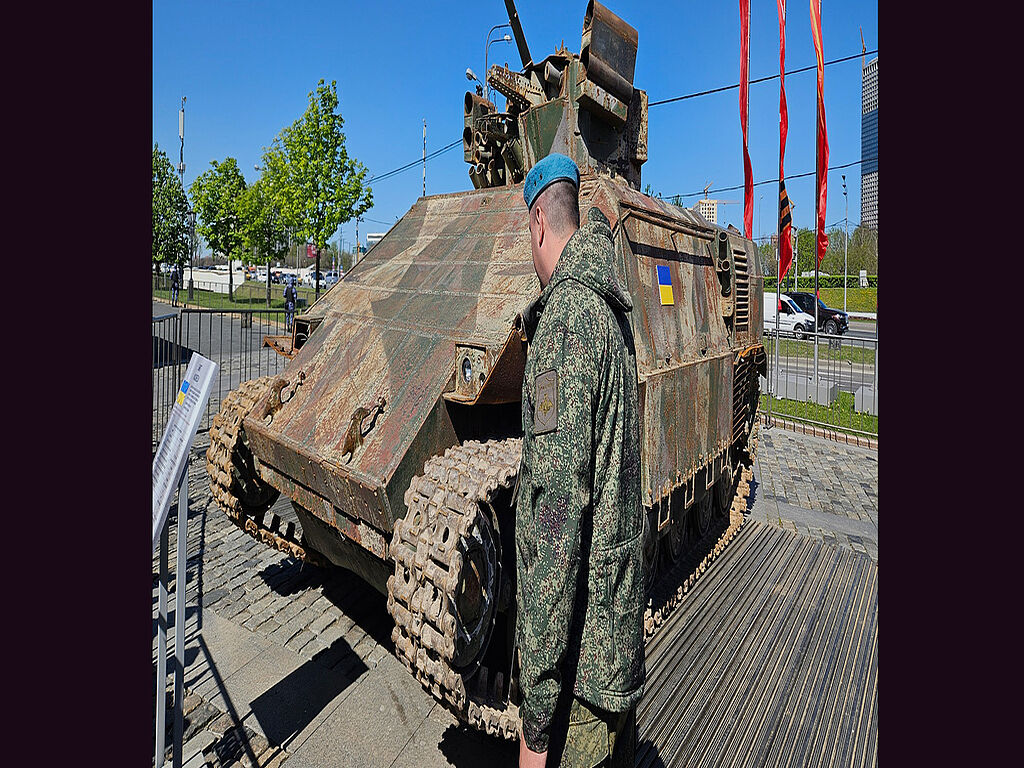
(277,650)
(817,487)
(289,664)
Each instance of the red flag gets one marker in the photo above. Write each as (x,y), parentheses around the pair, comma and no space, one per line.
(785,214)
(822,138)
(748,177)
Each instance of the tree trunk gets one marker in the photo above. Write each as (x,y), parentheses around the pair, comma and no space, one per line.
(231,282)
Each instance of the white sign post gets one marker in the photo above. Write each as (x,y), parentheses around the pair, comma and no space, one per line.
(170,470)
(172,453)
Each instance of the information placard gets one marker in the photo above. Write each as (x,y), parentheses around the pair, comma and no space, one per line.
(170,459)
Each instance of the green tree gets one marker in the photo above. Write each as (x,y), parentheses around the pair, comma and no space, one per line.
(170,215)
(263,230)
(316,183)
(348,259)
(217,194)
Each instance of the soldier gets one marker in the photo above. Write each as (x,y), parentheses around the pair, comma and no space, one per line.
(289,301)
(578,532)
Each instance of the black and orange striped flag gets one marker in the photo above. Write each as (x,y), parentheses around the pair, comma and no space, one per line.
(785,210)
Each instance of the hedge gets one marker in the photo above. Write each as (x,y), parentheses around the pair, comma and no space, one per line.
(824,281)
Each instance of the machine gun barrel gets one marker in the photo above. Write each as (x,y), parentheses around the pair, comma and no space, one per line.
(517,31)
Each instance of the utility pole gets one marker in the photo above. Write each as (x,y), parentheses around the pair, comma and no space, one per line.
(181,174)
(181,135)
(424,157)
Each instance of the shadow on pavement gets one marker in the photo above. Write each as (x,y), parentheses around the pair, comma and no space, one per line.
(239,730)
(463,747)
(285,709)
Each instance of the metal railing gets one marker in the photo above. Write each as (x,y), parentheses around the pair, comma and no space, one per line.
(231,338)
(825,380)
(213,293)
(828,381)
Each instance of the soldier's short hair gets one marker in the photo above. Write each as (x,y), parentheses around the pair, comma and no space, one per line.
(561,205)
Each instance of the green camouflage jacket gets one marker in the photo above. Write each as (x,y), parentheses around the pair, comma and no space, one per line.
(579,582)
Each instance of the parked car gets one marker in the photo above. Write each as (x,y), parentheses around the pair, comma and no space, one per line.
(311,278)
(792,320)
(331,277)
(830,321)
(276,276)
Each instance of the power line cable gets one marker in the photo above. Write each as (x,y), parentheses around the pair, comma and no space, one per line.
(407,166)
(769,181)
(452,145)
(758,80)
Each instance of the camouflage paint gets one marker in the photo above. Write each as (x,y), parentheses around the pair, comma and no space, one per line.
(457,271)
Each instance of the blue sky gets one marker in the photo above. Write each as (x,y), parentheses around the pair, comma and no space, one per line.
(246,69)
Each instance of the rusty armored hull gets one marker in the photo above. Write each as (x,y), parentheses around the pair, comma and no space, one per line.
(395,426)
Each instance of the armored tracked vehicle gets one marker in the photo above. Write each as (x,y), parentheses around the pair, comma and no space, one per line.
(395,427)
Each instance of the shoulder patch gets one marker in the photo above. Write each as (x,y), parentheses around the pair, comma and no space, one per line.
(545,407)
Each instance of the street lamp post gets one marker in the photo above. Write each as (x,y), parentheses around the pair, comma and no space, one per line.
(503,39)
(471,76)
(759,199)
(846,243)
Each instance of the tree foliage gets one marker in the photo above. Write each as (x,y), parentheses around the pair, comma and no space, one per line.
(264,236)
(170,213)
(316,184)
(217,194)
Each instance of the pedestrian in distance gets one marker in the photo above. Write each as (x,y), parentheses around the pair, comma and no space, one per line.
(290,299)
(175,285)
(579,524)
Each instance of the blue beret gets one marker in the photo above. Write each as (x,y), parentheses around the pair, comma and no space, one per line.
(552,168)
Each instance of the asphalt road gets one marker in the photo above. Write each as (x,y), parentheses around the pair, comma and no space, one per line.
(863,329)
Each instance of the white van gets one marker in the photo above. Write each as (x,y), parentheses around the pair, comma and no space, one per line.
(792,320)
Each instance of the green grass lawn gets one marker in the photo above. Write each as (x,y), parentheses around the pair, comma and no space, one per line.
(840,415)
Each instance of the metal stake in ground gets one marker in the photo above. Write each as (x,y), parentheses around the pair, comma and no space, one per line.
(170,468)
(179,619)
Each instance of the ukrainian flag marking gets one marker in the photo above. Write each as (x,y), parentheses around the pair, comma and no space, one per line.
(181,392)
(665,284)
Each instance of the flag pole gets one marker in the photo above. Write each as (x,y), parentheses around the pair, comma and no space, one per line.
(817,213)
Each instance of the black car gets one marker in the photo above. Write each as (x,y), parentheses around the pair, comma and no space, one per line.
(830,321)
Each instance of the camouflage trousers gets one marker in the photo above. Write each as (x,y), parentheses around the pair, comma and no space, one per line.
(595,737)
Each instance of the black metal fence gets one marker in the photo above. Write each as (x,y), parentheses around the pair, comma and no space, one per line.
(211,291)
(824,380)
(830,381)
(232,339)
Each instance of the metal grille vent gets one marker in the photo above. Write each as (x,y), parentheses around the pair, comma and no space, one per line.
(741,382)
(742,290)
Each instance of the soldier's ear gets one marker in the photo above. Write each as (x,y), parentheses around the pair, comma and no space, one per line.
(542,221)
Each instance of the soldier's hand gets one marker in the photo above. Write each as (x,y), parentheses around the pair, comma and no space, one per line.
(530,759)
